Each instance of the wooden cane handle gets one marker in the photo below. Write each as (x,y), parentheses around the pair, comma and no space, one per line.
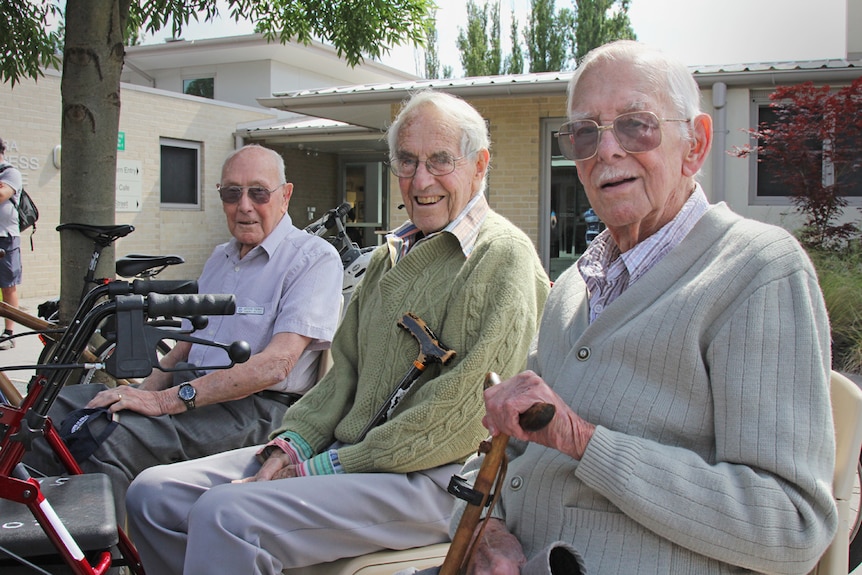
(537,416)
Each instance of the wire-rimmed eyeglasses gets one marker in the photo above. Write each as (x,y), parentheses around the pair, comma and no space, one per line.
(636,132)
(257,194)
(437,165)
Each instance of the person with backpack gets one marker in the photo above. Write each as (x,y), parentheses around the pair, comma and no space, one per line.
(10,240)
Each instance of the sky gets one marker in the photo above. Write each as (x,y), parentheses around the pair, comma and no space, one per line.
(700,32)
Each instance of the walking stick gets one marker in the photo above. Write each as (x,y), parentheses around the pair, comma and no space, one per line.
(431,350)
(491,473)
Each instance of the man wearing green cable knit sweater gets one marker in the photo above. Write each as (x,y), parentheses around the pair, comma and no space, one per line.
(320,491)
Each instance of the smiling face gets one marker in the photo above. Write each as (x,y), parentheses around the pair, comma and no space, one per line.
(434,201)
(248,222)
(634,194)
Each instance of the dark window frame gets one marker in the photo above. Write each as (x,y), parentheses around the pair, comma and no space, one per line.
(180,174)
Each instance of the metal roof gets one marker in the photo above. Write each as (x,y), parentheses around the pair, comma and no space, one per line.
(369,104)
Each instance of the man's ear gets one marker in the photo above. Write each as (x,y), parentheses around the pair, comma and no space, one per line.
(287,192)
(483,158)
(699,147)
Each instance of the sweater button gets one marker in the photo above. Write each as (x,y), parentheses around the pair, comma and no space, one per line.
(583,354)
(516,482)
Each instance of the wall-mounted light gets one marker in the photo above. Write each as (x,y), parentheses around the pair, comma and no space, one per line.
(55,157)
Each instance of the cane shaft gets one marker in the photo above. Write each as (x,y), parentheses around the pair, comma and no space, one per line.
(534,418)
(457,554)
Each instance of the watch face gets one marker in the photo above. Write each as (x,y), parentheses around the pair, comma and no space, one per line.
(186,392)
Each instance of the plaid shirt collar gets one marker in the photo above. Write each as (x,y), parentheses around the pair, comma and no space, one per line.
(608,272)
(465,228)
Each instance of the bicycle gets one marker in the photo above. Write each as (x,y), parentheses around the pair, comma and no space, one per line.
(129,266)
(353,258)
(85,542)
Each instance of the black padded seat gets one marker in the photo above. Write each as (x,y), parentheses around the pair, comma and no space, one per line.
(84,504)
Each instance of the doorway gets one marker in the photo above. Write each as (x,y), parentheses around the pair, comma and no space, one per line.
(366,189)
(566,218)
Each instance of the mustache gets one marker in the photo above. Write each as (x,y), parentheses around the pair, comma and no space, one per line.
(610,174)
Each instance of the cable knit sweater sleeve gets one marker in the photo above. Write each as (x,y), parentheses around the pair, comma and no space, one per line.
(485,307)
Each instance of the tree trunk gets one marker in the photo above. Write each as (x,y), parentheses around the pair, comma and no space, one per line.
(92,64)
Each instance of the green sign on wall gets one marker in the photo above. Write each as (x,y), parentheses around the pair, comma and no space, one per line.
(121,140)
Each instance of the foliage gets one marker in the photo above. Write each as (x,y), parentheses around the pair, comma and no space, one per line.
(814,149)
(840,275)
(550,36)
(25,45)
(514,62)
(481,53)
(356,28)
(599,22)
(432,56)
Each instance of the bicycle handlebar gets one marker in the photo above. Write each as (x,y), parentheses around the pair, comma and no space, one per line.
(189,304)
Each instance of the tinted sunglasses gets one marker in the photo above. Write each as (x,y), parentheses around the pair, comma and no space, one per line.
(636,132)
(257,194)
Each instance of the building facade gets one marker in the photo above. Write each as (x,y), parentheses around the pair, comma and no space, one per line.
(332,136)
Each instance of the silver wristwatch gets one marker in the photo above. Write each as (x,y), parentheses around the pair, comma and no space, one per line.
(187,394)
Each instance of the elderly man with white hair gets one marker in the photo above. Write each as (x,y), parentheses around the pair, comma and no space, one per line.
(687,355)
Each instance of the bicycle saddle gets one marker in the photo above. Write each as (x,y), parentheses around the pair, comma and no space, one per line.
(133,264)
(103,234)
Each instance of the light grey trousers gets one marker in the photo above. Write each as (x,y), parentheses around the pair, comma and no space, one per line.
(188,518)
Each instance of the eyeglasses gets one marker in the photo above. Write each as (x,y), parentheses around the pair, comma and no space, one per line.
(257,194)
(636,132)
(437,165)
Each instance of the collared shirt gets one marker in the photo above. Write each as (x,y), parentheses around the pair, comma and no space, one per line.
(465,228)
(289,283)
(608,272)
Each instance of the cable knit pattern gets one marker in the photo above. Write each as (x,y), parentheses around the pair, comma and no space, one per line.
(708,381)
(486,308)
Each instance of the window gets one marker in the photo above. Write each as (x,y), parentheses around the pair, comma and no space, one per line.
(768,189)
(180,173)
(203,87)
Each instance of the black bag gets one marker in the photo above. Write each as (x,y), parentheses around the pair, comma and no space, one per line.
(28,213)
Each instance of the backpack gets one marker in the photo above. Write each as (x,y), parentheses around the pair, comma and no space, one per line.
(28,213)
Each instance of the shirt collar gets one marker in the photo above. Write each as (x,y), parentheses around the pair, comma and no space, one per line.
(600,257)
(465,228)
(269,244)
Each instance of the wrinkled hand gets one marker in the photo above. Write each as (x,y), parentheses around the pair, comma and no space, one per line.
(276,466)
(498,552)
(567,432)
(131,398)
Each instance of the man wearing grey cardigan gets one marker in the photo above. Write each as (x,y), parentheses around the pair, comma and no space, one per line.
(687,355)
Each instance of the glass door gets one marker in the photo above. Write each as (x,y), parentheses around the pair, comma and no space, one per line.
(566,218)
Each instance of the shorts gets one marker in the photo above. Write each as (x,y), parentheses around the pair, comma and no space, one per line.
(10,264)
